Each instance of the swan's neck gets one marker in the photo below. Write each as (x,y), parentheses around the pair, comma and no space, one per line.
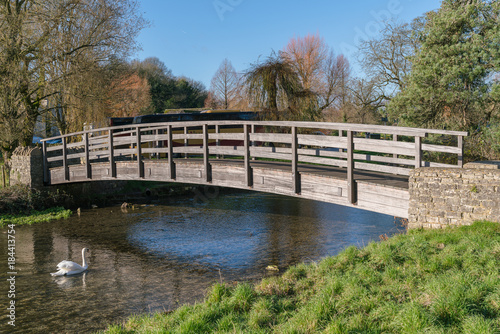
(84,260)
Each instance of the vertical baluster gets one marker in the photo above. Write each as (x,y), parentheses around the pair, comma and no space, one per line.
(295,159)
(418,152)
(140,166)
(395,139)
(45,165)
(351,183)
(206,162)
(248,168)
(112,165)
(461,154)
(217,142)
(65,159)
(170,143)
(186,141)
(87,155)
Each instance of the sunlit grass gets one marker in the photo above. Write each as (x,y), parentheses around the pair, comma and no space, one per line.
(35,216)
(433,281)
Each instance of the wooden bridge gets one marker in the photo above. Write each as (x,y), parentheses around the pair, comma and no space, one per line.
(364,166)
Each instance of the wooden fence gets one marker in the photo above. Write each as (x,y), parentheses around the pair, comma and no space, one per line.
(386,149)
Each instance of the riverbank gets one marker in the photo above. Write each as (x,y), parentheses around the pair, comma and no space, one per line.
(432,281)
(20,205)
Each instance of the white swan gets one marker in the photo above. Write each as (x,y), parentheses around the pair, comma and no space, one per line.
(65,268)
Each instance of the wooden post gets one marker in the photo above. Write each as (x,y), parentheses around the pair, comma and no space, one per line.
(171,164)
(112,165)
(351,183)
(206,163)
(87,155)
(217,142)
(418,152)
(461,154)
(295,159)
(186,141)
(248,168)
(252,130)
(65,159)
(395,139)
(157,144)
(45,165)
(140,166)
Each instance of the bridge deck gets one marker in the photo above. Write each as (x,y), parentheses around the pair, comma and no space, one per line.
(378,192)
(357,165)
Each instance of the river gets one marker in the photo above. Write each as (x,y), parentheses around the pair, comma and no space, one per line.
(155,258)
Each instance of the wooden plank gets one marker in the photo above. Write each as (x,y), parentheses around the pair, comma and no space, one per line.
(271,137)
(384,146)
(323,161)
(227,150)
(226,136)
(441,148)
(389,160)
(319,140)
(382,168)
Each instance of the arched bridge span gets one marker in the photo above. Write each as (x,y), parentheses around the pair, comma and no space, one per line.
(365,166)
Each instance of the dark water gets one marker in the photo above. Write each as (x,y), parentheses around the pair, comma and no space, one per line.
(158,257)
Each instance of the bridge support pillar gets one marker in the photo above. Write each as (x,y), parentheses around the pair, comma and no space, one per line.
(27,167)
(441,197)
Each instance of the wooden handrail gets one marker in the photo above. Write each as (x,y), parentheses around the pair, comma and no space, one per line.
(389,155)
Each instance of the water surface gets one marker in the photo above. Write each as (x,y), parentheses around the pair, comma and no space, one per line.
(155,258)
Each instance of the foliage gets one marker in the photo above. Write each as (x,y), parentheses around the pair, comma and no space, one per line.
(166,90)
(20,199)
(47,49)
(35,216)
(432,281)
(273,83)
(451,83)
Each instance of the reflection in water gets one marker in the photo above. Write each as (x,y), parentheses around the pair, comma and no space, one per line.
(156,258)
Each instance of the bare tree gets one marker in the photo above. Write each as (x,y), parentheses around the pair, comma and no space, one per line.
(225,85)
(386,59)
(47,48)
(366,99)
(307,56)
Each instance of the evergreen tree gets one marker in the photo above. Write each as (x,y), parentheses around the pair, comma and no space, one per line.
(452,83)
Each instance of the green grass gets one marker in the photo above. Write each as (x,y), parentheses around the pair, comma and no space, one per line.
(35,216)
(432,281)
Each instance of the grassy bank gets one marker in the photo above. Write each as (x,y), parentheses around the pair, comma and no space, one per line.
(35,216)
(444,281)
(22,205)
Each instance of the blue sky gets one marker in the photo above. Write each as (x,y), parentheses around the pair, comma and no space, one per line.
(192,37)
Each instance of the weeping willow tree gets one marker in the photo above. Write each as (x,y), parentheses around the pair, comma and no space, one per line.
(275,87)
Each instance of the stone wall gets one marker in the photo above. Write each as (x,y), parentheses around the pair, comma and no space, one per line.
(441,197)
(27,167)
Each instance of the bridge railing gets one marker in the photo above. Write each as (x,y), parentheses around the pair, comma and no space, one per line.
(387,149)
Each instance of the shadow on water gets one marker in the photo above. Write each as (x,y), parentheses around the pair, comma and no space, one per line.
(156,258)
